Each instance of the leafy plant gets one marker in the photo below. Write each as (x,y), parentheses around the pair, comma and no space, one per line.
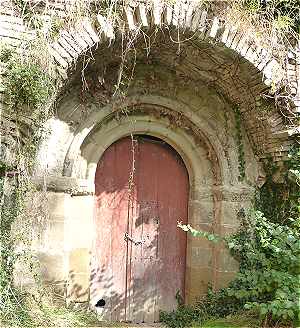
(239,142)
(184,316)
(6,53)
(268,280)
(285,14)
(279,200)
(26,84)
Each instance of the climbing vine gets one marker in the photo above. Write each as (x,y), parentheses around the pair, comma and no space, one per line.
(26,89)
(279,196)
(239,142)
(12,192)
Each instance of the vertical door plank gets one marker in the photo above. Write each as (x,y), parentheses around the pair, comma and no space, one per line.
(144,273)
(173,196)
(109,270)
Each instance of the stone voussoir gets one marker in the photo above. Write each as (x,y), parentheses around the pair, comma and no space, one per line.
(74,42)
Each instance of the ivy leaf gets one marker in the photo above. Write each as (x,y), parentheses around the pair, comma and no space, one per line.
(231,245)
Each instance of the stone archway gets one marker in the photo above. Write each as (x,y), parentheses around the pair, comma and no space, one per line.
(218,69)
(184,96)
(213,201)
(192,21)
(198,166)
(198,124)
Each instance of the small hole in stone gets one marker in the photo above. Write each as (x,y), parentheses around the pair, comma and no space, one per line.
(100,303)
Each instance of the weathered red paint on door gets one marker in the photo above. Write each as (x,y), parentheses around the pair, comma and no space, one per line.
(139,256)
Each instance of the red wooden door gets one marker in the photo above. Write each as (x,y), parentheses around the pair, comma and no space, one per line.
(139,259)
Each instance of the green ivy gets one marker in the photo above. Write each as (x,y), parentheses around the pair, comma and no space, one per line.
(279,200)
(13,190)
(239,142)
(26,84)
(285,14)
(269,256)
(26,89)
(9,212)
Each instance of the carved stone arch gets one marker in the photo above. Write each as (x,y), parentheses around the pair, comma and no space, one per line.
(209,187)
(201,169)
(159,110)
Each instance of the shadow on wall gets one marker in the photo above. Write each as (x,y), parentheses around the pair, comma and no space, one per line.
(134,304)
(78,287)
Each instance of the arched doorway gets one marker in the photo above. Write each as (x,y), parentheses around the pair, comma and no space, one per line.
(138,266)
